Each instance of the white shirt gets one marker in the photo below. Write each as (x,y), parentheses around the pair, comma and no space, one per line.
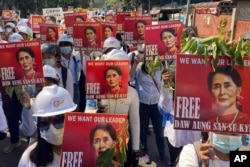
(69,81)
(148,92)
(26,162)
(70,64)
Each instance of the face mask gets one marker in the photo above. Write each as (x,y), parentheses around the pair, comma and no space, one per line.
(8,30)
(65,50)
(225,143)
(38,36)
(50,62)
(52,135)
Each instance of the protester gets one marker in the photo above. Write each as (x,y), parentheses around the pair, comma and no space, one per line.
(50,125)
(51,56)
(70,61)
(3,122)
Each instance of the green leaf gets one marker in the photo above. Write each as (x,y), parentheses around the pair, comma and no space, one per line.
(239,59)
(9,90)
(106,158)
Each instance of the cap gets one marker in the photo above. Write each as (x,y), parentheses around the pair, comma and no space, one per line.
(49,48)
(116,54)
(15,37)
(50,72)
(111,42)
(10,24)
(24,29)
(65,38)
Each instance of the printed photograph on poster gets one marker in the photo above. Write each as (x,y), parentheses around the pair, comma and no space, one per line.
(49,33)
(71,18)
(87,36)
(120,20)
(211,100)
(11,15)
(108,30)
(35,21)
(22,63)
(110,18)
(163,40)
(107,79)
(134,29)
(99,139)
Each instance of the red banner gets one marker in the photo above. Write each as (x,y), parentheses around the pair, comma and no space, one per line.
(35,21)
(21,63)
(134,29)
(87,36)
(89,138)
(49,33)
(107,79)
(71,18)
(208,100)
(163,40)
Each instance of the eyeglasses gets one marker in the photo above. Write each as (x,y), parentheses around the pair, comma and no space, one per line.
(57,122)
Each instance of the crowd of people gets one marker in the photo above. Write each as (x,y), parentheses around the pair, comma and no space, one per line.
(64,77)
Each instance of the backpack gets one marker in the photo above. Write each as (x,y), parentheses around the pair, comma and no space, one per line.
(196,146)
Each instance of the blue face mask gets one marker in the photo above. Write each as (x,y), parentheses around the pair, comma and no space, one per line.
(65,50)
(225,143)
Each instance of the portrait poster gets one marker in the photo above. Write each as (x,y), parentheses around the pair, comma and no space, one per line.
(83,133)
(11,15)
(134,29)
(208,100)
(49,33)
(108,30)
(87,36)
(100,80)
(56,12)
(35,21)
(156,44)
(110,18)
(21,63)
(71,18)
(120,20)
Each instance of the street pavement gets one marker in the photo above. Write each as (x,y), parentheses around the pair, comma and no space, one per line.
(11,159)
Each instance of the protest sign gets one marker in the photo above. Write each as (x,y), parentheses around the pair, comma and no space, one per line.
(108,30)
(87,36)
(49,33)
(110,18)
(134,29)
(56,12)
(208,100)
(163,40)
(35,21)
(71,18)
(107,79)
(83,133)
(11,15)
(120,20)
(21,63)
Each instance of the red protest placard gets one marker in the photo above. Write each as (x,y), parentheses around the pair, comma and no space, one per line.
(110,18)
(108,30)
(91,139)
(12,15)
(134,29)
(120,20)
(87,36)
(163,40)
(71,18)
(22,63)
(208,100)
(49,33)
(35,21)
(107,79)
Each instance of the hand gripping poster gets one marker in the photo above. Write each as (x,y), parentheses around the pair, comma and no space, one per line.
(163,40)
(134,29)
(21,63)
(94,140)
(107,79)
(87,36)
(208,99)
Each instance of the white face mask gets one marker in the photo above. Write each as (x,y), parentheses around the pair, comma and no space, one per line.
(65,50)
(8,30)
(52,135)
(226,143)
(50,62)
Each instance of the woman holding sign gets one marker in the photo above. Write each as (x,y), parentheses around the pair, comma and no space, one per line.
(224,84)
(25,56)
